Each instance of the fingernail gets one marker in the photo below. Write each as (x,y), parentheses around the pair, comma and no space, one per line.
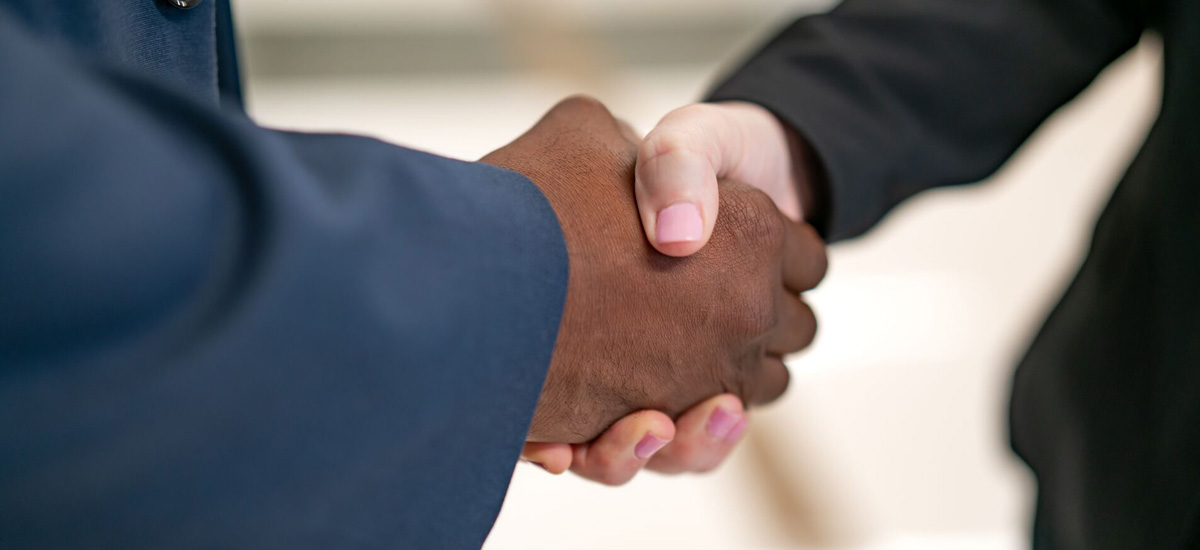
(648,446)
(679,223)
(737,431)
(721,422)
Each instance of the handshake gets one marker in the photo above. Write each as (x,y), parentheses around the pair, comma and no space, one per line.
(674,320)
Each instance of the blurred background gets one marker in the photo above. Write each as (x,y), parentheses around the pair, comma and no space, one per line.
(893,434)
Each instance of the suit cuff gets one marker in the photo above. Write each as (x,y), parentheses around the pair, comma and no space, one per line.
(809,93)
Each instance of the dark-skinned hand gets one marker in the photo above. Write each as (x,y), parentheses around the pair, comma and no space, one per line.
(644,331)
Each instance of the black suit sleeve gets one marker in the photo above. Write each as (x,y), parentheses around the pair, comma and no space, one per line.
(899,96)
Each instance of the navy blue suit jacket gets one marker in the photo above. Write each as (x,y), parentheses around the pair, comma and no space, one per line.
(217,335)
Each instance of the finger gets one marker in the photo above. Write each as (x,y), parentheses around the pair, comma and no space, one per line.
(804,259)
(621,451)
(552,457)
(771,382)
(797,326)
(704,436)
(675,179)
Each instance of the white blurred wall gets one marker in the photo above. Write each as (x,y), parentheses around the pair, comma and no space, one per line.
(893,433)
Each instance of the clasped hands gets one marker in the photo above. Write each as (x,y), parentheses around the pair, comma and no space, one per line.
(675,315)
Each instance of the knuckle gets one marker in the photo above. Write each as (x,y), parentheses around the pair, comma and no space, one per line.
(613,477)
(661,143)
(751,375)
(582,102)
(742,376)
(820,256)
(752,310)
(602,463)
(587,119)
(747,316)
(696,112)
(809,327)
(682,454)
(700,458)
(754,219)
(757,316)
(777,378)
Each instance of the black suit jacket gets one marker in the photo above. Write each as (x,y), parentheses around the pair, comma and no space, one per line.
(898,96)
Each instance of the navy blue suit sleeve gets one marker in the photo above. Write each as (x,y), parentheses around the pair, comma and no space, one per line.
(214,335)
(899,96)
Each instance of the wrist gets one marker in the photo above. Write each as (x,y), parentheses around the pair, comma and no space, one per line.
(811,183)
(761,154)
(785,159)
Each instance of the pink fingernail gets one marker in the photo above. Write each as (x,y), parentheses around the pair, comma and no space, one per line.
(720,423)
(648,446)
(679,223)
(737,431)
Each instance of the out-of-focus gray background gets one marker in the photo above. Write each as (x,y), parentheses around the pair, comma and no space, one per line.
(893,433)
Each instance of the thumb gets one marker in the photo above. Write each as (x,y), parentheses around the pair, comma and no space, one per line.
(676,177)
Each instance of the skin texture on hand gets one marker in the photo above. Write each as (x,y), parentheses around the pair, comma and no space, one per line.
(681,162)
(641,330)
(694,147)
(698,441)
